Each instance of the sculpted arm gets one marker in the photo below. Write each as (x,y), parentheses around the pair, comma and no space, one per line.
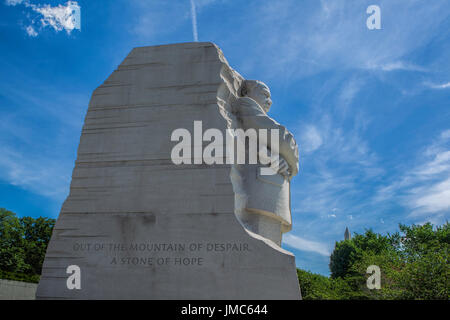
(252,116)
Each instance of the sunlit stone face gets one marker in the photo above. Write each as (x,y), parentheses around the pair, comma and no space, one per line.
(261,94)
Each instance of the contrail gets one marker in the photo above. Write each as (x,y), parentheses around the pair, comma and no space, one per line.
(194,21)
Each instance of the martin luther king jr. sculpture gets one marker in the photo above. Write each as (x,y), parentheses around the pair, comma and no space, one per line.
(264,200)
(136,225)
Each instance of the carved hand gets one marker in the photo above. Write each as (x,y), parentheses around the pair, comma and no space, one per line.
(283,167)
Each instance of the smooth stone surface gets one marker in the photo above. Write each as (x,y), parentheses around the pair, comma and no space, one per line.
(17,290)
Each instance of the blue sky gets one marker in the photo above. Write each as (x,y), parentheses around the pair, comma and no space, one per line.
(369,108)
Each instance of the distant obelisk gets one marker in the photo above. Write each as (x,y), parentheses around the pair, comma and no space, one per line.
(347,234)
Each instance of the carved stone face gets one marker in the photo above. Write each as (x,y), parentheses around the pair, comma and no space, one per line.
(261,94)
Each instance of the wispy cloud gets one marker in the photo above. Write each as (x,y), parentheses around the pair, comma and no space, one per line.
(438,86)
(13,2)
(306,245)
(395,66)
(334,178)
(194,21)
(311,139)
(431,200)
(338,165)
(38,173)
(39,135)
(160,19)
(429,182)
(332,35)
(62,17)
(424,187)
(31,32)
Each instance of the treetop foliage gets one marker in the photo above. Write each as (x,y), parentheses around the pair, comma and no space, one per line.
(23,243)
(414,263)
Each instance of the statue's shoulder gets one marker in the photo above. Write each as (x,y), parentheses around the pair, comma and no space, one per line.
(246,106)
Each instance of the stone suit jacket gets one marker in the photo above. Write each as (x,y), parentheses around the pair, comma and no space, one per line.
(251,115)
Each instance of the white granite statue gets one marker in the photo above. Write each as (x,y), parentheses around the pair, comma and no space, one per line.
(265,200)
(139,226)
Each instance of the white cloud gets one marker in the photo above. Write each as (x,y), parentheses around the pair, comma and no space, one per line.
(306,245)
(334,143)
(310,139)
(429,183)
(334,177)
(440,163)
(348,93)
(432,199)
(397,65)
(62,17)
(438,86)
(194,21)
(424,187)
(332,35)
(39,138)
(13,2)
(31,32)
(445,134)
(37,173)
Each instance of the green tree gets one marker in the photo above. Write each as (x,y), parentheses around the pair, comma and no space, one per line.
(12,257)
(23,243)
(347,252)
(36,233)
(413,262)
(390,265)
(342,257)
(424,251)
(318,287)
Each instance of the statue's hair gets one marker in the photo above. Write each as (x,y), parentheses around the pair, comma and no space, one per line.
(248,85)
